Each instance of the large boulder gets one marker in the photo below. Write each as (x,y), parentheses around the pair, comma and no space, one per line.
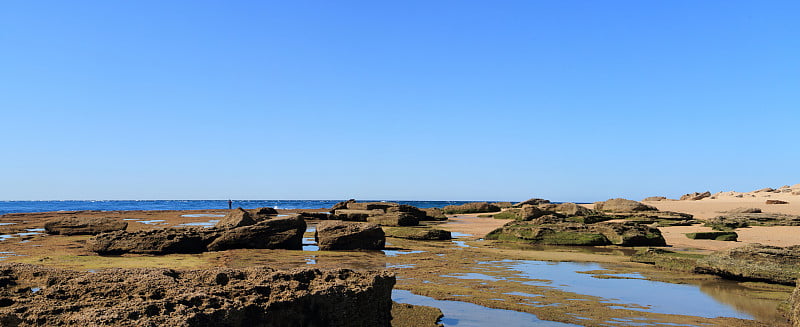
(235,218)
(394,219)
(83,226)
(471,207)
(696,196)
(415,233)
(630,234)
(533,201)
(622,205)
(343,235)
(531,212)
(256,296)
(155,241)
(655,198)
(572,209)
(277,233)
(757,262)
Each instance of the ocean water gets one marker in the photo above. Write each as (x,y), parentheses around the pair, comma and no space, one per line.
(113,205)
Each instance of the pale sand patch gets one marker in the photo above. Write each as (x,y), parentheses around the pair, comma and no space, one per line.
(776,236)
(472,224)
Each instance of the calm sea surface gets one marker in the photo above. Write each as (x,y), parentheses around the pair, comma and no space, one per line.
(111,205)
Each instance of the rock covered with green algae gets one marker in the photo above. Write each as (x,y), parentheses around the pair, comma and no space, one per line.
(256,296)
(717,236)
(417,233)
(551,231)
(756,262)
(472,207)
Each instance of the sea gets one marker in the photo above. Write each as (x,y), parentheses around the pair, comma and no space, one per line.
(115,205)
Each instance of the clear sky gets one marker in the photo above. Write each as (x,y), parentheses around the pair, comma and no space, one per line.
(408,100)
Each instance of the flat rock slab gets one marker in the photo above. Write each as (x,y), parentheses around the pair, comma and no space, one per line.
(257,296)
(83,225)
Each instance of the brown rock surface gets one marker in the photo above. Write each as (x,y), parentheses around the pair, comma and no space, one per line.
(235,218)
(757,262)
(277,233)
(622,205)
(696,196)
(257,296)
(83,225)
(776,202)
(344,235)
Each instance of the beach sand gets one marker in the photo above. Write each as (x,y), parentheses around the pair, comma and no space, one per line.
(725,201)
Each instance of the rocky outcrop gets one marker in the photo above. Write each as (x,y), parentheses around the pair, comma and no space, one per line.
(717,236)
(278,233)
(569,209)
(471,207)
(434,214)
(344,235)
(264,213)
(552,232)
(385,212)
(503,205)
(622,205)
(533,201)
(745,210)
(695,196)
(655,198)
(531,212)
(739,220)
(794,302)
(394,219)
(84,226)
(235,218)
(155,241)
(417,233)
(630,234)
(257,296)
(756,262)
(341,205)
(776,202)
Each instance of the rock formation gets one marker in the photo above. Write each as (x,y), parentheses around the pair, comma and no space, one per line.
(277,233)
(345,235)
(533,201)
(756,262)
(385,213)
(258,296)
(417,233)
(471,207)
(552,230)
(83,226)
(235,218)
(696,196)
(622,205)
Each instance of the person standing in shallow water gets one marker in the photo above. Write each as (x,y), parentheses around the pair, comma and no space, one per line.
(230,204)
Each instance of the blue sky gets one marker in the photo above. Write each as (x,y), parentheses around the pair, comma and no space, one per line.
(438,100)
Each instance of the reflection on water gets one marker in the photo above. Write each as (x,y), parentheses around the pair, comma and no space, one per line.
(201,215)
(458,313)
(204,224)
(632,291)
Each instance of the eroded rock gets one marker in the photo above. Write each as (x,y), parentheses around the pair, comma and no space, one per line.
(257,296)
(622,205)
(696,196)
(235,218)
(471,207)
(345,235)
(756,262)
(84,226)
